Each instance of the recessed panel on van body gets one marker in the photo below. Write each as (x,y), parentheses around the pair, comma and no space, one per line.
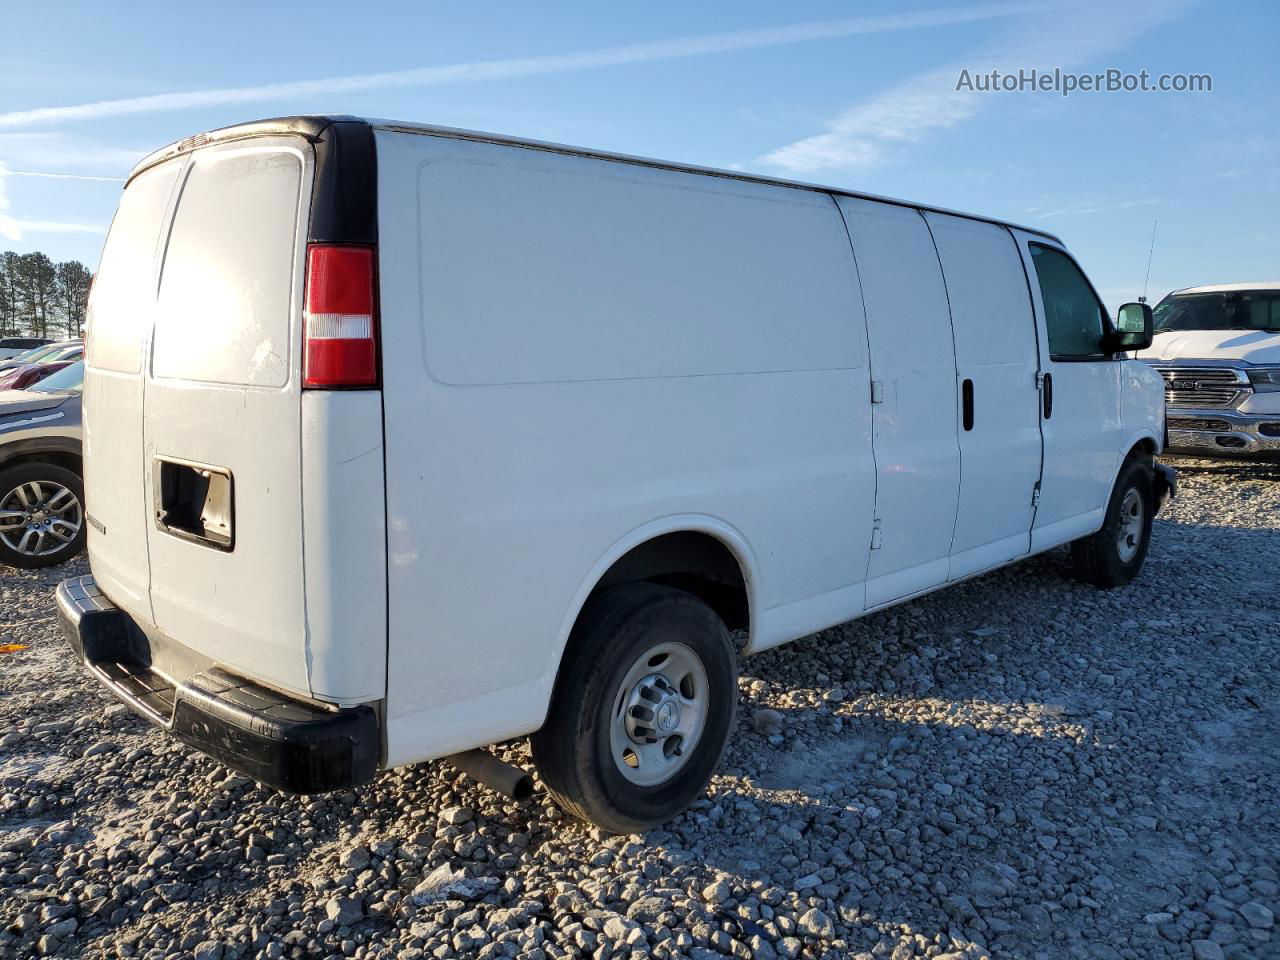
(590,349)
(997,362)
(913,368)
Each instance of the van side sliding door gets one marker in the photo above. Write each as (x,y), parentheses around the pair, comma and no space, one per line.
(914,403)
(997,363)
(1080,402)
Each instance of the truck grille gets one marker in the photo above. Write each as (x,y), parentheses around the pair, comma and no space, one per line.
(1202,386)
(1198,423)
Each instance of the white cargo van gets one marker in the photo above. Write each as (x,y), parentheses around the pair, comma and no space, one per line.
(405,440)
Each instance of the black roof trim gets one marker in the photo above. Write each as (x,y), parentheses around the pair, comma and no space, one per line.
(344,207)
(344,190)
(310,127)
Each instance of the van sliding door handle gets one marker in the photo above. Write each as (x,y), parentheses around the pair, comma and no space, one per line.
(1048,395)
(966,398)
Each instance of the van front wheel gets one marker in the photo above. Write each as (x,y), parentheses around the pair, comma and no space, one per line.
(642,709)
(1114,555)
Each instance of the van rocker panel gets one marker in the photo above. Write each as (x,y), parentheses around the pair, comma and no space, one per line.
(281,742)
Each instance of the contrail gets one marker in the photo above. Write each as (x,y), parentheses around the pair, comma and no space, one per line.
(62,176)
(526,66)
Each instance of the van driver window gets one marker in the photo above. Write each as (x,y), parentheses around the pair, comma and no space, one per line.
(1072,313)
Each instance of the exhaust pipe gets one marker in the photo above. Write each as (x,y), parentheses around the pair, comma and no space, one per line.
(483,767)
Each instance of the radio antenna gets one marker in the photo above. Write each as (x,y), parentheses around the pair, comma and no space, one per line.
(1150,254)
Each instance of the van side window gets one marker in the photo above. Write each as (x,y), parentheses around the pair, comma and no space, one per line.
(1072,313)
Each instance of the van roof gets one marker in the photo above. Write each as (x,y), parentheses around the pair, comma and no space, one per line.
(312,126)
(1230,287)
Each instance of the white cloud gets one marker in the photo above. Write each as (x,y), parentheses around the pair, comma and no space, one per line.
(524,66)
(865,134)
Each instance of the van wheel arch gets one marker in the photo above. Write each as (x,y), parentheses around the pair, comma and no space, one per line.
(1144,449)
(693,561)
(711,567)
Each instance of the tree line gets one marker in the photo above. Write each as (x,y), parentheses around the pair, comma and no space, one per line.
(41,298)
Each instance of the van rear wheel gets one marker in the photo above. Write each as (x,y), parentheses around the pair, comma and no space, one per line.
(1114,555)
(41,515)
(642,709)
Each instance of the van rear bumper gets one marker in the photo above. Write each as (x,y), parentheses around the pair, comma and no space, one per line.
(287,744)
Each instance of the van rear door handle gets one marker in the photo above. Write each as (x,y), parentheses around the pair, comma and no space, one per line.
(966,399)
(1048,395)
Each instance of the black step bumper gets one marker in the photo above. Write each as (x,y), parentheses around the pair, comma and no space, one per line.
(284,743)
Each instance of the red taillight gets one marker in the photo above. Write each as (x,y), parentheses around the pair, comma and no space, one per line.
(340,322)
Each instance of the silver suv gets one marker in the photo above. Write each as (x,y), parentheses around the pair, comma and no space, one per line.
(41,491)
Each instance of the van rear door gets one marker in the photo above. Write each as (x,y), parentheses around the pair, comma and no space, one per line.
(222,438)
(235,512)
(118,322)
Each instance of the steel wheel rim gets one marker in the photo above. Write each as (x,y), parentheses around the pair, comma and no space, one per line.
(658,714)
(1129,537)
(40,518)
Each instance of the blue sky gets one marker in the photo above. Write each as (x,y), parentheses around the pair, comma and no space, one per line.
(859,95)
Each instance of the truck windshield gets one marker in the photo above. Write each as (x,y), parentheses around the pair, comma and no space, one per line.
(1233,310)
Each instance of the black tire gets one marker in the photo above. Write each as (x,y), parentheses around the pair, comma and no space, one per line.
(1097,558)
(23,473)
(573,749)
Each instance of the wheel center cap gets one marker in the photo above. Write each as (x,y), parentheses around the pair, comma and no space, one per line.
(668,716)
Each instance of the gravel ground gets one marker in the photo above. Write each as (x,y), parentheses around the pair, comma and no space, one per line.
(1016,767)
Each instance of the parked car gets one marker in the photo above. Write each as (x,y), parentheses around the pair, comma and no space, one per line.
(30,374)
(483,438)
(1218,349)
(42,354)
(41,491)
(12,346)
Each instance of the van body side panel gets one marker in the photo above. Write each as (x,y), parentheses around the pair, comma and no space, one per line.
(1142,407)
(223,392)
(587,347)
(119,325)
(995,336)
(913,360)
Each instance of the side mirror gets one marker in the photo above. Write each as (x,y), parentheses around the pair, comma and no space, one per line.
(1135,327)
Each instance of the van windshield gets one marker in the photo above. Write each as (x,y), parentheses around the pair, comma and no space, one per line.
(1233,310)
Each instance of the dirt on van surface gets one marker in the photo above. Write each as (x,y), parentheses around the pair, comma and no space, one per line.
(1020,766)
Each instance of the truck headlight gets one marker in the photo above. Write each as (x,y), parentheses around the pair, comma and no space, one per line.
(1265,379)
